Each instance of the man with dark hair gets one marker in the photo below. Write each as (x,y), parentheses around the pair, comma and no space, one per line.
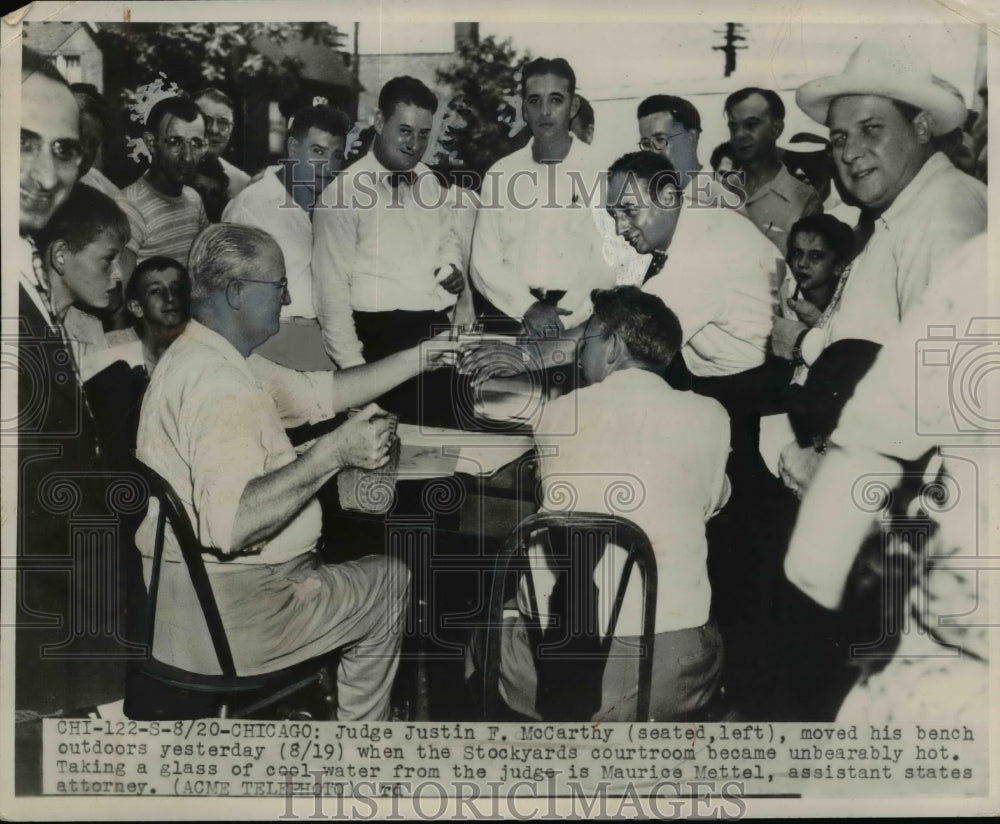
(158,298)
(165,213)
(582,124)
(537,249)
(68,662)
(282,202)
(218,111)
(629,426)
(709,266)
(670,126)
(774,198)
(386,245)
(95,120)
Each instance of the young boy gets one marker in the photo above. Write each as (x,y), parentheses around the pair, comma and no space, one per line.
(80,249)
(158,300)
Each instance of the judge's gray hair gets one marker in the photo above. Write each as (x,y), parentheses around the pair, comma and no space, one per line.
(224,251)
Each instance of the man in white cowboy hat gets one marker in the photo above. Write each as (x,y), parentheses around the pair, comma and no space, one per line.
(885,112)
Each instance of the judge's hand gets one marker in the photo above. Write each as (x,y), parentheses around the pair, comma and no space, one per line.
(542,320)
(808,312)
(496,359)
(363,440)
(452,281)
(441,350)
(797,466)
(784,333)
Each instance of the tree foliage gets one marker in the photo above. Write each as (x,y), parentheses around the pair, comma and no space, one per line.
(484,119)
(193,55)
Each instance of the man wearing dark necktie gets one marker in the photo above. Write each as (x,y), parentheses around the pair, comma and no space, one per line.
(387,256)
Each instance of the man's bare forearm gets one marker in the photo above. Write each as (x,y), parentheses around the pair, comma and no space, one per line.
(269,502)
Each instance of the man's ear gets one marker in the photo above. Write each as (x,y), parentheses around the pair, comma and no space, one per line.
(134,307)
(291,145)
(379,121)
(923,126)
(778,126)
(234,294)
(574,107)
(57,256)
(617,351)
(150,140)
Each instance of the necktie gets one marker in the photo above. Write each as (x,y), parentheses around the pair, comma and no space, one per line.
(655,265)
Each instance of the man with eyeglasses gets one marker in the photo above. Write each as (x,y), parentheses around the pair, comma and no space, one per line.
(281,202)
(670,127)
(774,198)
(165,213)
(213,424)
(56,440)
(218,111)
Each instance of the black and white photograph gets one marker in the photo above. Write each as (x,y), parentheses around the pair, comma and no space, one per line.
(437,410)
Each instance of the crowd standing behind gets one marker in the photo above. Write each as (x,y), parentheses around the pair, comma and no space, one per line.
(700,322)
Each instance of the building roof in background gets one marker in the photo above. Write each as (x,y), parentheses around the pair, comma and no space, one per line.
(48,36)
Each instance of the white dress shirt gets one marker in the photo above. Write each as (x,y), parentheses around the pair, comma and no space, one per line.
(267,205)
(211,422)
(536,228)
(928,221)
(717,280)
(376,249)
(633,446)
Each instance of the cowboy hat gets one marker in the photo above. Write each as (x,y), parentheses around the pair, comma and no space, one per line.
(887,71)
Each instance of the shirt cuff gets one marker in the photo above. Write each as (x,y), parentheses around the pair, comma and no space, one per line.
(812,346)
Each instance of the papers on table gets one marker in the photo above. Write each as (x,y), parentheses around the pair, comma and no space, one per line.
(430,452)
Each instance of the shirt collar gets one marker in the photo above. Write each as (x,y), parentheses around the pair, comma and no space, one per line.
(778,185)
(382,173)
(936,164)
(209,338)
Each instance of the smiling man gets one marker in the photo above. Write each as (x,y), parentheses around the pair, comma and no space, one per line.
(537,251)
(713,265)
(282,202)
(165,213)
(386,244)
(884,113)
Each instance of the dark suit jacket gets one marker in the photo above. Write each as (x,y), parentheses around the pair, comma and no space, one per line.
(71,543)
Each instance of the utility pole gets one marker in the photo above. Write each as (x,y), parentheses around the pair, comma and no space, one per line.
(732,35)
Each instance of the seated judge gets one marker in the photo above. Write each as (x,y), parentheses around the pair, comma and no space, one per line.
(213,425)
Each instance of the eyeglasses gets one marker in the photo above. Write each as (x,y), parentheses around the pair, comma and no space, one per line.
(174,144)
(282,285)
(220,123)
(658,142)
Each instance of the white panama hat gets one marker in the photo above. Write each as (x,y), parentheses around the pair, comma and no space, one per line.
(886,70)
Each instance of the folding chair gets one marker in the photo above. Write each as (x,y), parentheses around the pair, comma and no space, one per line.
(573,543)
(156,690)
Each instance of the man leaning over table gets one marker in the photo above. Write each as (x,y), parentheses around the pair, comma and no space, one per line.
(213,425)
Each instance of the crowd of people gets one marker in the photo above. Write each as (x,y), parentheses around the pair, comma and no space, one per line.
(736,340)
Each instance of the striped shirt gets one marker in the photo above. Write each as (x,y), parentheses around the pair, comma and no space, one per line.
(162,224)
